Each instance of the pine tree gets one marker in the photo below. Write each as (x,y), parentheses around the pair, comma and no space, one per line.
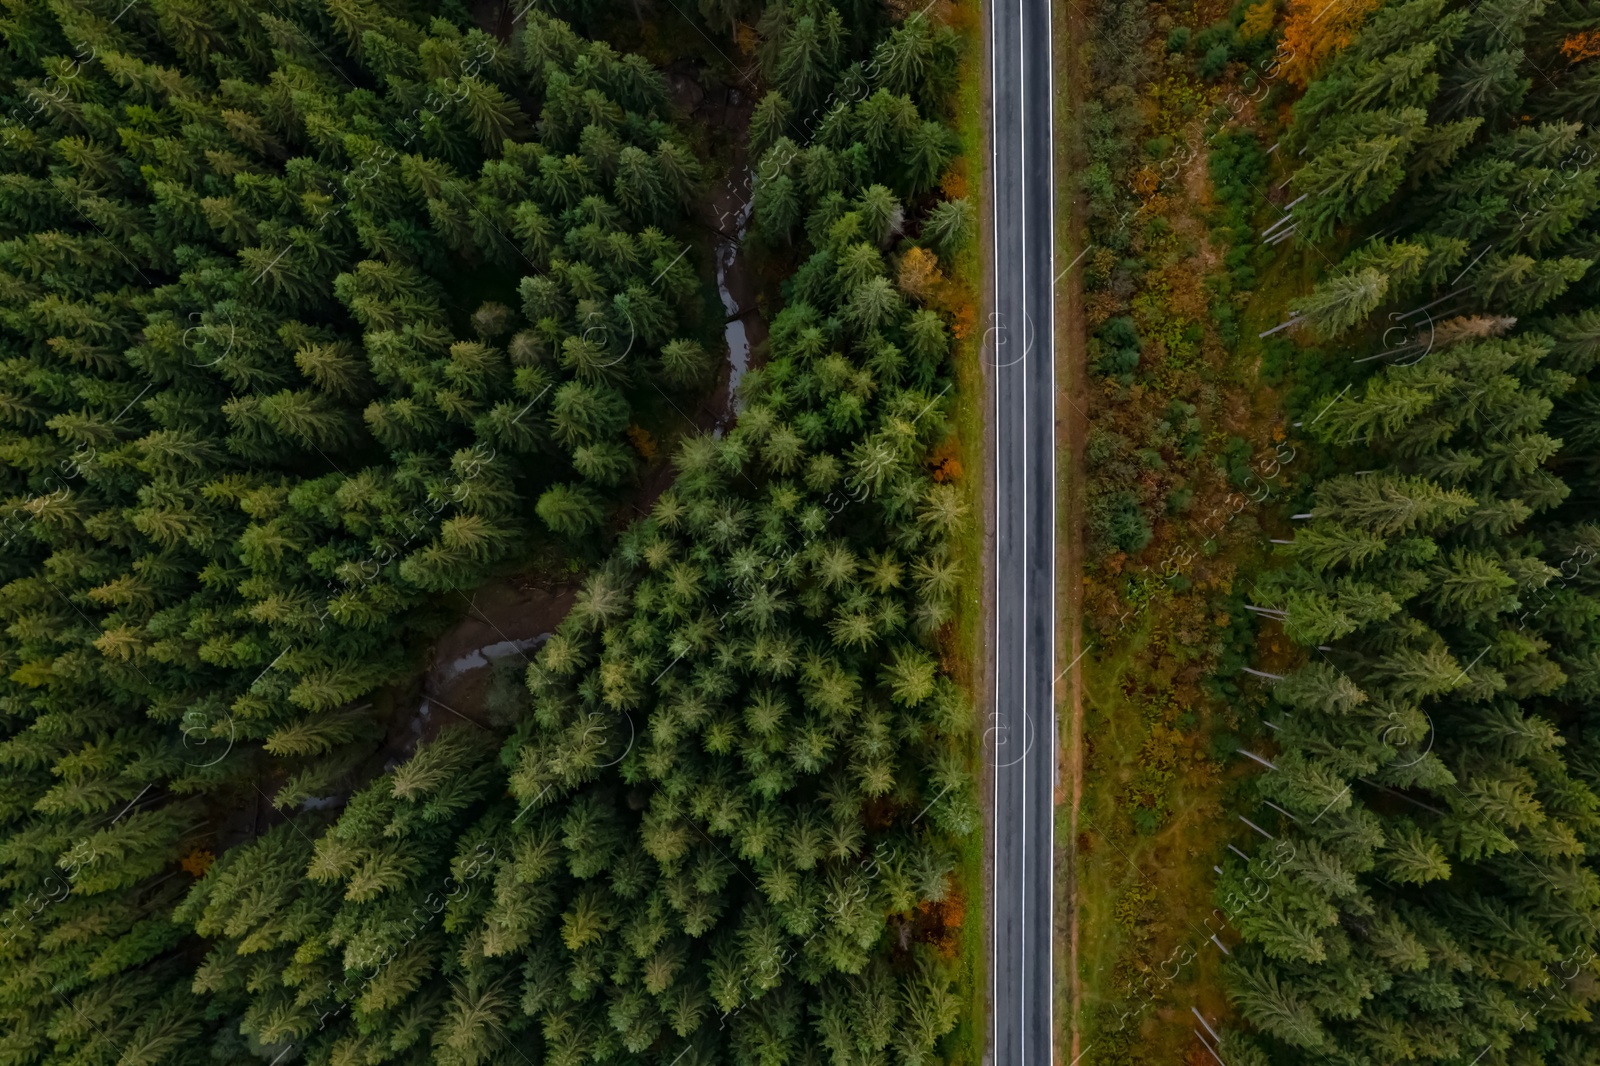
(769,123)
(809,53)
(930,147)
(1339,304)
(1387,504)
(569,510)
(949,226)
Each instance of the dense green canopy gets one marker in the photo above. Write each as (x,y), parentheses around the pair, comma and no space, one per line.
(1432,894)
(315,312)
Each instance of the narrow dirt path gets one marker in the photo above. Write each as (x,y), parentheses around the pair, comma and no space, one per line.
(1072,407)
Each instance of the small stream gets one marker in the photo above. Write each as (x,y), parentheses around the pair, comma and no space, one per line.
(439,680)
(731,269)
(744,331)
(478,658)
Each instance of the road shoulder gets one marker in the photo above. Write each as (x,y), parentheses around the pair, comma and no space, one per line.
(1068,29)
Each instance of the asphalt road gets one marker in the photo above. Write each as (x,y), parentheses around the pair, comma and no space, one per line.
(1020,347)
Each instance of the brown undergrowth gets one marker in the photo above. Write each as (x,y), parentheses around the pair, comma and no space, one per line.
(1187,457)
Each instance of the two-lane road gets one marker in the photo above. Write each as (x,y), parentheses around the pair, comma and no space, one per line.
(1021,351)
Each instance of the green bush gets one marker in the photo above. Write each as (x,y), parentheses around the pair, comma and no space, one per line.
(1214,62)
(1103,446)
(1117,519)
(1118,348)
(1238,169)
(1146,820)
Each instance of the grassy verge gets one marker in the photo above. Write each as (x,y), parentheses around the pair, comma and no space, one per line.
(1163,732)
(969,1040)
(1144,889)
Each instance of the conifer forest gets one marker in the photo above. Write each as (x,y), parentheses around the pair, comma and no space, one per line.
(327,326)
(319,315)
(1438,743)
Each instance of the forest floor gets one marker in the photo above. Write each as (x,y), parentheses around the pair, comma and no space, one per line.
(505,620)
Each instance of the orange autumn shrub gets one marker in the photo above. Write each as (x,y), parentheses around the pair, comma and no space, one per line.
(1100,307)
(197,862)
(744,35)
(1581,46)
(943,462)
(964,316)
(963,18)
(643,442)
(1315,30)
(939,924)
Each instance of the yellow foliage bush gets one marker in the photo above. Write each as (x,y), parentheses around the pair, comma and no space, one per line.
(1258,20)
(919,274)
